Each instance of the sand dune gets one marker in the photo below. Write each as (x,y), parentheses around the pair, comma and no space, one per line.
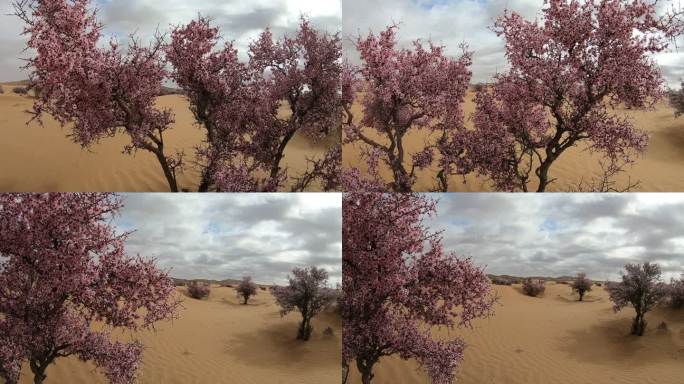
(41,158)
(556,339)
(218,340)
(658,170)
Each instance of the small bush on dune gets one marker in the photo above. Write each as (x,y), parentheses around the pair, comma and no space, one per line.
(598,283)
(675,293)
(20,90)
(641,288)
(246,289)
(262,288)
(533,287)
(581,285)
(496,280)
(1,90)
(562,282)
(198,290)
(307,292)
(677,100)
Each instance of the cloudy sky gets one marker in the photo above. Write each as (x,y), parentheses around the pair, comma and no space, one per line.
(224,236)
(562,234)
(452,22)
(239,20)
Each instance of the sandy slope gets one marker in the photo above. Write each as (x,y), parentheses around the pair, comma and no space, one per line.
(555,339)
(659,169)
(35,158)
(218,340)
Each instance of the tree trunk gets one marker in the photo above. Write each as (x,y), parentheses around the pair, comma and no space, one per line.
(581,293)
(366,370)
(38,369)
(246,298)
(275,167)
(168,173)
(639,325)
(543,176)
(304,329)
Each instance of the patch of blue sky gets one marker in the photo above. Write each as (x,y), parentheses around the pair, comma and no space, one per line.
(549,225)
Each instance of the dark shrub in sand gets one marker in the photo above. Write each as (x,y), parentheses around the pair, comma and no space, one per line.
(198,289)
(533,287)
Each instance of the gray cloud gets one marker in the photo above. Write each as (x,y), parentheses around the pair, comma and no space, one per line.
(230,235)
(562,234)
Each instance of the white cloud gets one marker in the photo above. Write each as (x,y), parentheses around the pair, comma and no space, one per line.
(241,21)
(562,234)
(230,235)
(452,22)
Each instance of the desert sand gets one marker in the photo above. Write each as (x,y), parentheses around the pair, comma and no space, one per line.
(556,339)
(218,340)
(659,169)
(42,158)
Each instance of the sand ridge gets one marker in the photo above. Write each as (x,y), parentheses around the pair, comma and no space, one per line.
(556,339)
(42,158)
(659,169)
(219,340)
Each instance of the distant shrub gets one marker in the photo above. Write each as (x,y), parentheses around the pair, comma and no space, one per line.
(562,282)
(227,285)
(662,326)
(20,90)
(479,87)
(533,287)
(246,289)
(179,283)
(598,283)
(262,288)
(496,280)
(198,289)
(328,332)
(677,100)
(581,285)
(1,90)
(675,293)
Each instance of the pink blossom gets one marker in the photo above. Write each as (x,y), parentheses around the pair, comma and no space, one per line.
(398,283)
(568,71)
(404,90)
(64,268)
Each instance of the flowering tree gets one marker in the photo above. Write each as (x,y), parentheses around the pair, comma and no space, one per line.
(641,287)
(405,90)
(307,293)
(677,100)
(581,285)
(398,282)
(198,289)
(63,268)
(238,103)
(246,289)
(568,70)
(103,91)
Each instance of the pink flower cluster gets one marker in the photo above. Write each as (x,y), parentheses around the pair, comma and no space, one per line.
(404,90)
